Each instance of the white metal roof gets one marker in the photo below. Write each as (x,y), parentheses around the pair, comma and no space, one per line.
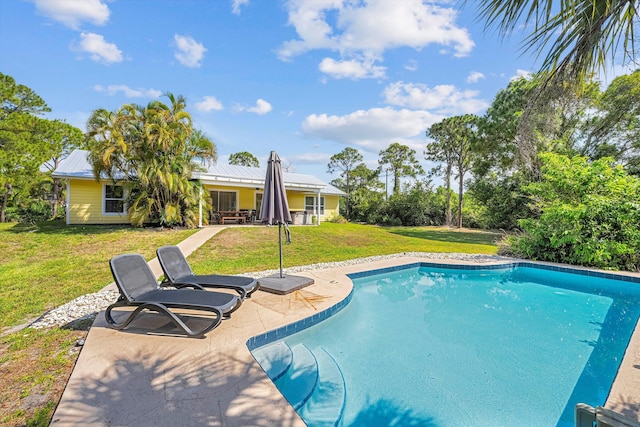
(77,166)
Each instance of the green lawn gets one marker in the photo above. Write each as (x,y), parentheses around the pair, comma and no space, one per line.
(238,250)
(48,265)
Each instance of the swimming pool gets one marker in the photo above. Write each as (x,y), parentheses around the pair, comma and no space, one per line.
(457,346)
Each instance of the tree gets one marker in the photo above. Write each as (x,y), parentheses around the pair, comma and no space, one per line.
(60,138)
(345,161)
(439,151)
(615,130)
(244,158)
(401,161)
(454,140)
(578,36)
(152,150)
(21,154)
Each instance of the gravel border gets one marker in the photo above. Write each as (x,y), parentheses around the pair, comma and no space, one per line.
(88,306)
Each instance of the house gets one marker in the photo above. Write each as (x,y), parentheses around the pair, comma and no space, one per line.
(232,188)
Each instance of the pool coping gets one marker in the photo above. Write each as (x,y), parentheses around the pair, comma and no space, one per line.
(123,378)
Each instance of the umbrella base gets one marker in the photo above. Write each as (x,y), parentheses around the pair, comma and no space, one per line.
(285,285)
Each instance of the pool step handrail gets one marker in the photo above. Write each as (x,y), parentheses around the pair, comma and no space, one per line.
(588,416)
(300,380)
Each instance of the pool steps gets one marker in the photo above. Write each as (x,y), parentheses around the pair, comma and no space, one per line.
(326,405)
(311,382)
(299,381)
(275,359)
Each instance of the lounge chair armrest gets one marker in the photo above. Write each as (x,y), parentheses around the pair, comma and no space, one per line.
(180,285)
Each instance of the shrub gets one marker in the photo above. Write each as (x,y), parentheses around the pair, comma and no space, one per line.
(419,206)
(35,211)
(337,219)
(588,215)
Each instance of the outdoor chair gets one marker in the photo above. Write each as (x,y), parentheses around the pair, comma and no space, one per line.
(588,416)
(139,288)
(178,273)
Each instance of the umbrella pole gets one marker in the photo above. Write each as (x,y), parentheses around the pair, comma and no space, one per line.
(280,245)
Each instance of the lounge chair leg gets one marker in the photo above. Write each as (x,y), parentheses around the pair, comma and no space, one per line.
(161,309)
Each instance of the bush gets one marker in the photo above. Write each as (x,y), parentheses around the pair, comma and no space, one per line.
(504,201)
(337,219)
(419,206)
(35,211)
(11,214)
(589,215)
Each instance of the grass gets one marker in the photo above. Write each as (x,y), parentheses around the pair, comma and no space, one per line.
(50,264)
(238,250)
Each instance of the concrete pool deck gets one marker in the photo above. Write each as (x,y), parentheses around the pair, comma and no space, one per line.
(131,378)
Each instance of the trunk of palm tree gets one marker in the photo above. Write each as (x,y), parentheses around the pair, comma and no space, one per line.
(460,190)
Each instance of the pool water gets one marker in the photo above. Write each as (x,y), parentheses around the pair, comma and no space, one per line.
(427,346)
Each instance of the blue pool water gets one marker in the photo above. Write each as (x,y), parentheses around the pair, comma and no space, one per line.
(425,346)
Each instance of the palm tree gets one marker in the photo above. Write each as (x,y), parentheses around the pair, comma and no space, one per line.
(153,150)
(579,36)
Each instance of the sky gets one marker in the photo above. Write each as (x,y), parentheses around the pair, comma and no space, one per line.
(303,78)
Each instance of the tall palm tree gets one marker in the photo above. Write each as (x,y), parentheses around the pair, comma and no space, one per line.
(579,36)
(153,150)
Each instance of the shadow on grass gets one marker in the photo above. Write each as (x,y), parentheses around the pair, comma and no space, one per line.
(452,236)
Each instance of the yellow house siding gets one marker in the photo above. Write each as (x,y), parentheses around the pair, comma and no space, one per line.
(296,201)
(331,206)
(247,198)
(85,204)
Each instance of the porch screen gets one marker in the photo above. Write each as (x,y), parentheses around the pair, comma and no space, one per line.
(223,201)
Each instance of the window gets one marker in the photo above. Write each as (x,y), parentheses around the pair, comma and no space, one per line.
(310,204)
(223,201)
(114,199)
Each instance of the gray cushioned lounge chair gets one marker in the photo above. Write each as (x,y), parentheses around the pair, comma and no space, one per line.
(178,273)
(139,288)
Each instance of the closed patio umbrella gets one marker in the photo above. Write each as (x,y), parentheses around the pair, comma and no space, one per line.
(275,210)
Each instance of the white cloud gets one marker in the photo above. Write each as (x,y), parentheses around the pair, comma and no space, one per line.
(373,129)
(310,158)
(99,49)
(236,5)
(262,107)
(209,103)
(412,65)
(474,77)
(445,99)
(367,29)
(190,52)
(521,74)
(72,12)
(352,69)
(128,92)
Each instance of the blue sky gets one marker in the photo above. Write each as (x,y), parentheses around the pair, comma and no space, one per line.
(303,78)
